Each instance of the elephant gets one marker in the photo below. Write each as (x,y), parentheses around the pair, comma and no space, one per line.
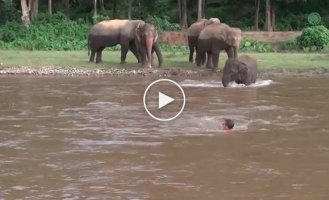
(110,33)
(193,33)
(214,38)
(146,37)
(242,70)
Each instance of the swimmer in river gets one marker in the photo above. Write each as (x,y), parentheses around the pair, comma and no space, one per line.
(227,124)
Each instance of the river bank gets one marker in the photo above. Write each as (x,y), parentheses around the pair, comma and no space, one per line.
(154,72)
(75,63)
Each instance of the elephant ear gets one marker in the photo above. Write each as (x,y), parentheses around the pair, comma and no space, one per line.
(243,72)
(137,31)
(156,35)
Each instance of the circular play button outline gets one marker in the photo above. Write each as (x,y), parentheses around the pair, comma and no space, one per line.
(164,80)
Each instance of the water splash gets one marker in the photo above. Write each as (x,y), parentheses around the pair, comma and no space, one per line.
(218,84)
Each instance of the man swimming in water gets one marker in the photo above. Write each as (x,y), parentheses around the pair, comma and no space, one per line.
(227,124)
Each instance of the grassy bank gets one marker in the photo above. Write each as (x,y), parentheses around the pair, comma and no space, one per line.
(79,59)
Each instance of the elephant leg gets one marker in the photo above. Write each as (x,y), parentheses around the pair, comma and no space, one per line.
(124,51)
(209,59)
(215,59)
(199,57)
(204,58)
(133,49)
(99,55)
(191,53)
(92,56)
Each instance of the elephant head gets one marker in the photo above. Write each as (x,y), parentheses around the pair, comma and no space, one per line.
(242,70)
(233,39)
(147,36)
(193,33)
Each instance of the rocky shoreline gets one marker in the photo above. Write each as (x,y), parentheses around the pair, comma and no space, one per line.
(162,72)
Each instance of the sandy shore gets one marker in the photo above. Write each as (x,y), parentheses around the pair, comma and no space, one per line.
(160,72)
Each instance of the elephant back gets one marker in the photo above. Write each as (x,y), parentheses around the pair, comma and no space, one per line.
(215,30)
(197,27)
(108,27)
(129,29)
(248,61)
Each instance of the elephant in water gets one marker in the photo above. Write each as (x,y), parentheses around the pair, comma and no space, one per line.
(108,33)
(242,70)
(146,41)
(193,33)
(215,38)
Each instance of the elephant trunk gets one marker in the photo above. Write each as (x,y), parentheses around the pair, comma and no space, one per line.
(158,53)
(226,79)
(149,45)
(235,51)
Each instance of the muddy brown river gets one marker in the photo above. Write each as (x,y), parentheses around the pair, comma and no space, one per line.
(90,138)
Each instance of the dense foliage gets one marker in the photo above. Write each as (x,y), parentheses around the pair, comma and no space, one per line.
(314,37)
(67,28)
(46,33)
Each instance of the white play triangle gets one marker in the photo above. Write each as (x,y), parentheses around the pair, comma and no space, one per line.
(164,100)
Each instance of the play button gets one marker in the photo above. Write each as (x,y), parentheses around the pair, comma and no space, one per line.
(164,100)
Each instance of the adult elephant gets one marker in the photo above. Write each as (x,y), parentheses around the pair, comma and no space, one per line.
(146,39)
(193,33)
(242,70)
(214,38)
(112,32)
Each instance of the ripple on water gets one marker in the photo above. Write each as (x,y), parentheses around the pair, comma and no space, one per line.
(218,84)
(114,142)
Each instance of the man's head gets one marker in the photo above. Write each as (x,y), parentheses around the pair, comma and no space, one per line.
(227,124)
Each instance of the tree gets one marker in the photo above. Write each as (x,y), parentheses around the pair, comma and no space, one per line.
(129,8)
(25,13)
(50,10)
(114,9)
(184,14)
(101,5)
(139,9)
(204,8)
(268,16)
(200,9)
(179,6)
(95,11)
(33,8)
(257,2)
(29,11)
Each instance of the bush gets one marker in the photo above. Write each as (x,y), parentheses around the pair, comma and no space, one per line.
(162,23)
(256,46)
(46,33)
(313,37)
(289,45)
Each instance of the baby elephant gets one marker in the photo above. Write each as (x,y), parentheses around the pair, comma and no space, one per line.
(242,70)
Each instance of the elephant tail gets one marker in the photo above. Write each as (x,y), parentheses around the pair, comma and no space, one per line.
(88,44)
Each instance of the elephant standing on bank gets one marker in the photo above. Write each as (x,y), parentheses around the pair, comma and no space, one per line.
(146,41)
(108,33)
(193,33)
(214,38)
(242,70)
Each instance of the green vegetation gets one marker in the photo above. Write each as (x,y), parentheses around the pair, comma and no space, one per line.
(46,33)
(79,59)
(64,26)
(256,46)
(314,37)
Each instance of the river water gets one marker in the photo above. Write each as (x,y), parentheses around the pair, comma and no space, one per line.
(90,138)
